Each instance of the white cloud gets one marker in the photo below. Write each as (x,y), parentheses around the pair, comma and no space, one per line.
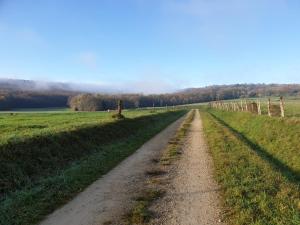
(153,79)
(217,8)
(23,35)
(137,86)
(148,86)
(88,59)
(150,79)
(219,22)
(30,35)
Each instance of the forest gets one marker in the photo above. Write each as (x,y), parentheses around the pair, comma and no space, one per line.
(95,102)
(16,97)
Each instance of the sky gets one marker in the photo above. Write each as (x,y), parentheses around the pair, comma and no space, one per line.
(151,46)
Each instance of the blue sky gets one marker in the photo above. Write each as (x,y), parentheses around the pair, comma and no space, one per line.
(151,45)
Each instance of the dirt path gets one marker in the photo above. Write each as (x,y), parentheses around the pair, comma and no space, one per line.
(192,194)
(108,198)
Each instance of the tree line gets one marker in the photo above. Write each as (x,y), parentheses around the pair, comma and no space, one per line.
(96,102)
(27,99)
(11,99)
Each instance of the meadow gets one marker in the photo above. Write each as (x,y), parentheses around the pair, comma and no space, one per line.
(47,158)
(257,164)
(16,126)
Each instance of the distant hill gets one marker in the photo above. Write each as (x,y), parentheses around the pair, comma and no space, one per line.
(30,85)
(245,90)
(33,94)
(37,94)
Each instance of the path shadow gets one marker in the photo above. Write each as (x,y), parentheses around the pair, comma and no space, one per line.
(278,165)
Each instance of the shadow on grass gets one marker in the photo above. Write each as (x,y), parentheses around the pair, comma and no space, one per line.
(24,162)
(285,170)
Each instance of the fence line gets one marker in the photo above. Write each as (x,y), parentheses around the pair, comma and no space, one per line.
(250,106)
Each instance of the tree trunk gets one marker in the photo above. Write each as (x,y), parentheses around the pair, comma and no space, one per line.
(120,107)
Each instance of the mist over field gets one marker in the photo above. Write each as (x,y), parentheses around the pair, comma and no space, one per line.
(143,87)
(92,97)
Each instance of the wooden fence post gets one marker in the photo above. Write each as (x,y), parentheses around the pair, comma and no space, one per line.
(258,107)
(269,107)
(281,106)
(242,108)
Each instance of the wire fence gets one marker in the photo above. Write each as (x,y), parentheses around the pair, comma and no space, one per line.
(254,106)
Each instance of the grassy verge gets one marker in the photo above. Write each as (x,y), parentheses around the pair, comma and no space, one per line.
(140,213)
(256,189)
(173,149)
(275,138)
(76,159)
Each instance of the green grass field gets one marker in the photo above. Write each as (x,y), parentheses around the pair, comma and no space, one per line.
(257,164)
(46,159)
(40,110)
(18,126)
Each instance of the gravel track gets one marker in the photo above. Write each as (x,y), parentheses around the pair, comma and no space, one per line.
(192,195)
(107,199)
